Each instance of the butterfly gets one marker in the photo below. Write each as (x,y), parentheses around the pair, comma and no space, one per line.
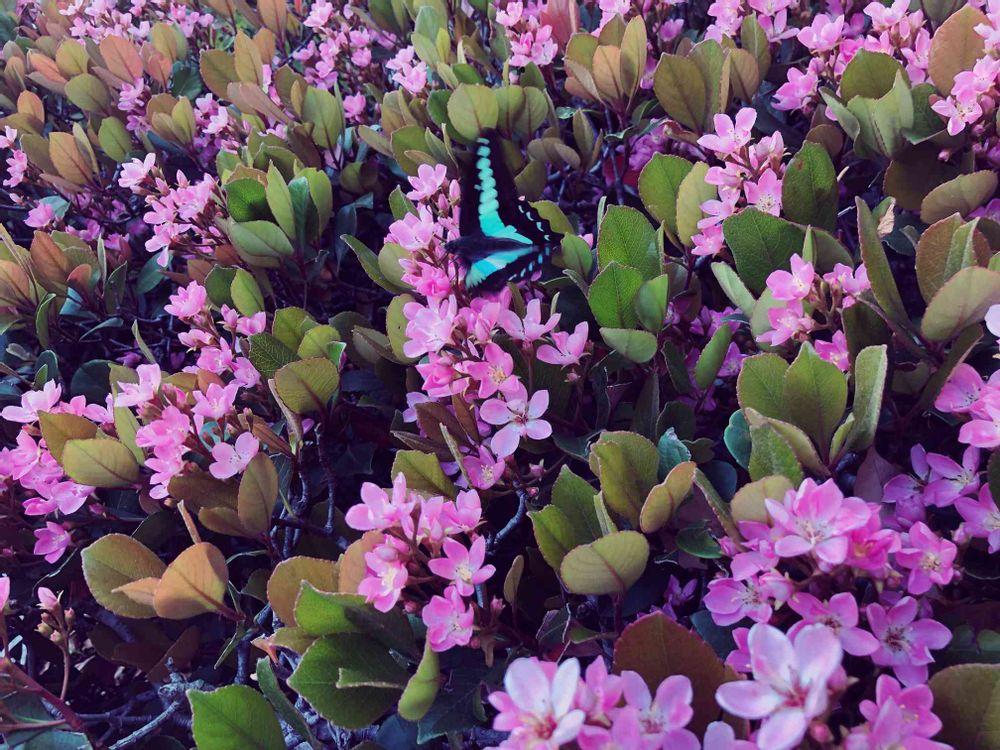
(503,237)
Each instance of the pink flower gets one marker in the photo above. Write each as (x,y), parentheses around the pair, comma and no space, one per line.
(51,542)
(796,285)
(906,643)
(786,322)
(961,392)
(463,567)
(214,403)
(840,614)
(427,181)
(951,480)
(518,417)
(449,620)
(354,106)
(982,518)
(962,109)
(4,592)
(599,693)
(134,173)
(33,402)
(815,520)
(928,557)
(824,34)
(386,574)
(663,716)
(730,136)
(566,348)
(231,460)
(789,688)
(914,703)
(720,736)
(484,470)
(495,373)
(536,705)
(377,511)
(188,302)
(430,326)
(730,600)
(625,733)
(797,91)
(40,216)
(765,194)
(530,328)
(835,351)
(135,394)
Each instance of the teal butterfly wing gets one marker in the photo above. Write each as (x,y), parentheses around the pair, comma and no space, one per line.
(503,237)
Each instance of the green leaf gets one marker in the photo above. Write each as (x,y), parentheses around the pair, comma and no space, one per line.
(870,369)
(651,303)
(290,325)
(58,429)
(114,139)
(612,293)
(771,454)
(322,613)
(962,301)
(626,237)
(637,346)
(422,689)
(268,355)
(100,463)
(369,261)
(681,90)
(307,385)
(967,700)
(246,200)
(734,288)
(218,284)
(260,243)
(324,111)
(712,356)
(736,436)
(869,74)
(279,200)
(761,243)
(113,561)
(945,248)
(659,183)
(245,293)
(609,565)
(665,498)
(472,108)
(815,395)
(760,385)
(962,195)
(693,191)
(234,717)
(271,689)
(671,451)
(809,192)
(626,465)
(574,496)
(879,272)
(423,473)
(554,534)
(318,675)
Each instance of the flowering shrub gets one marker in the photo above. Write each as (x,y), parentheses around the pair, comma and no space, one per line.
(699,452)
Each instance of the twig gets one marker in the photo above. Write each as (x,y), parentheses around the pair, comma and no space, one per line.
(147,729)
(522,508)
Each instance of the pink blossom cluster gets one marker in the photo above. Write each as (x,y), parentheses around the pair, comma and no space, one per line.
(97,19)
(801,294)
(531,40)
(181,215)
(815,530)
(750,175)
(545,705)
(29,466)
(340,53)
(466,348)
(416,547)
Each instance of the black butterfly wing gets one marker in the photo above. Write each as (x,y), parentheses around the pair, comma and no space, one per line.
(503,238)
